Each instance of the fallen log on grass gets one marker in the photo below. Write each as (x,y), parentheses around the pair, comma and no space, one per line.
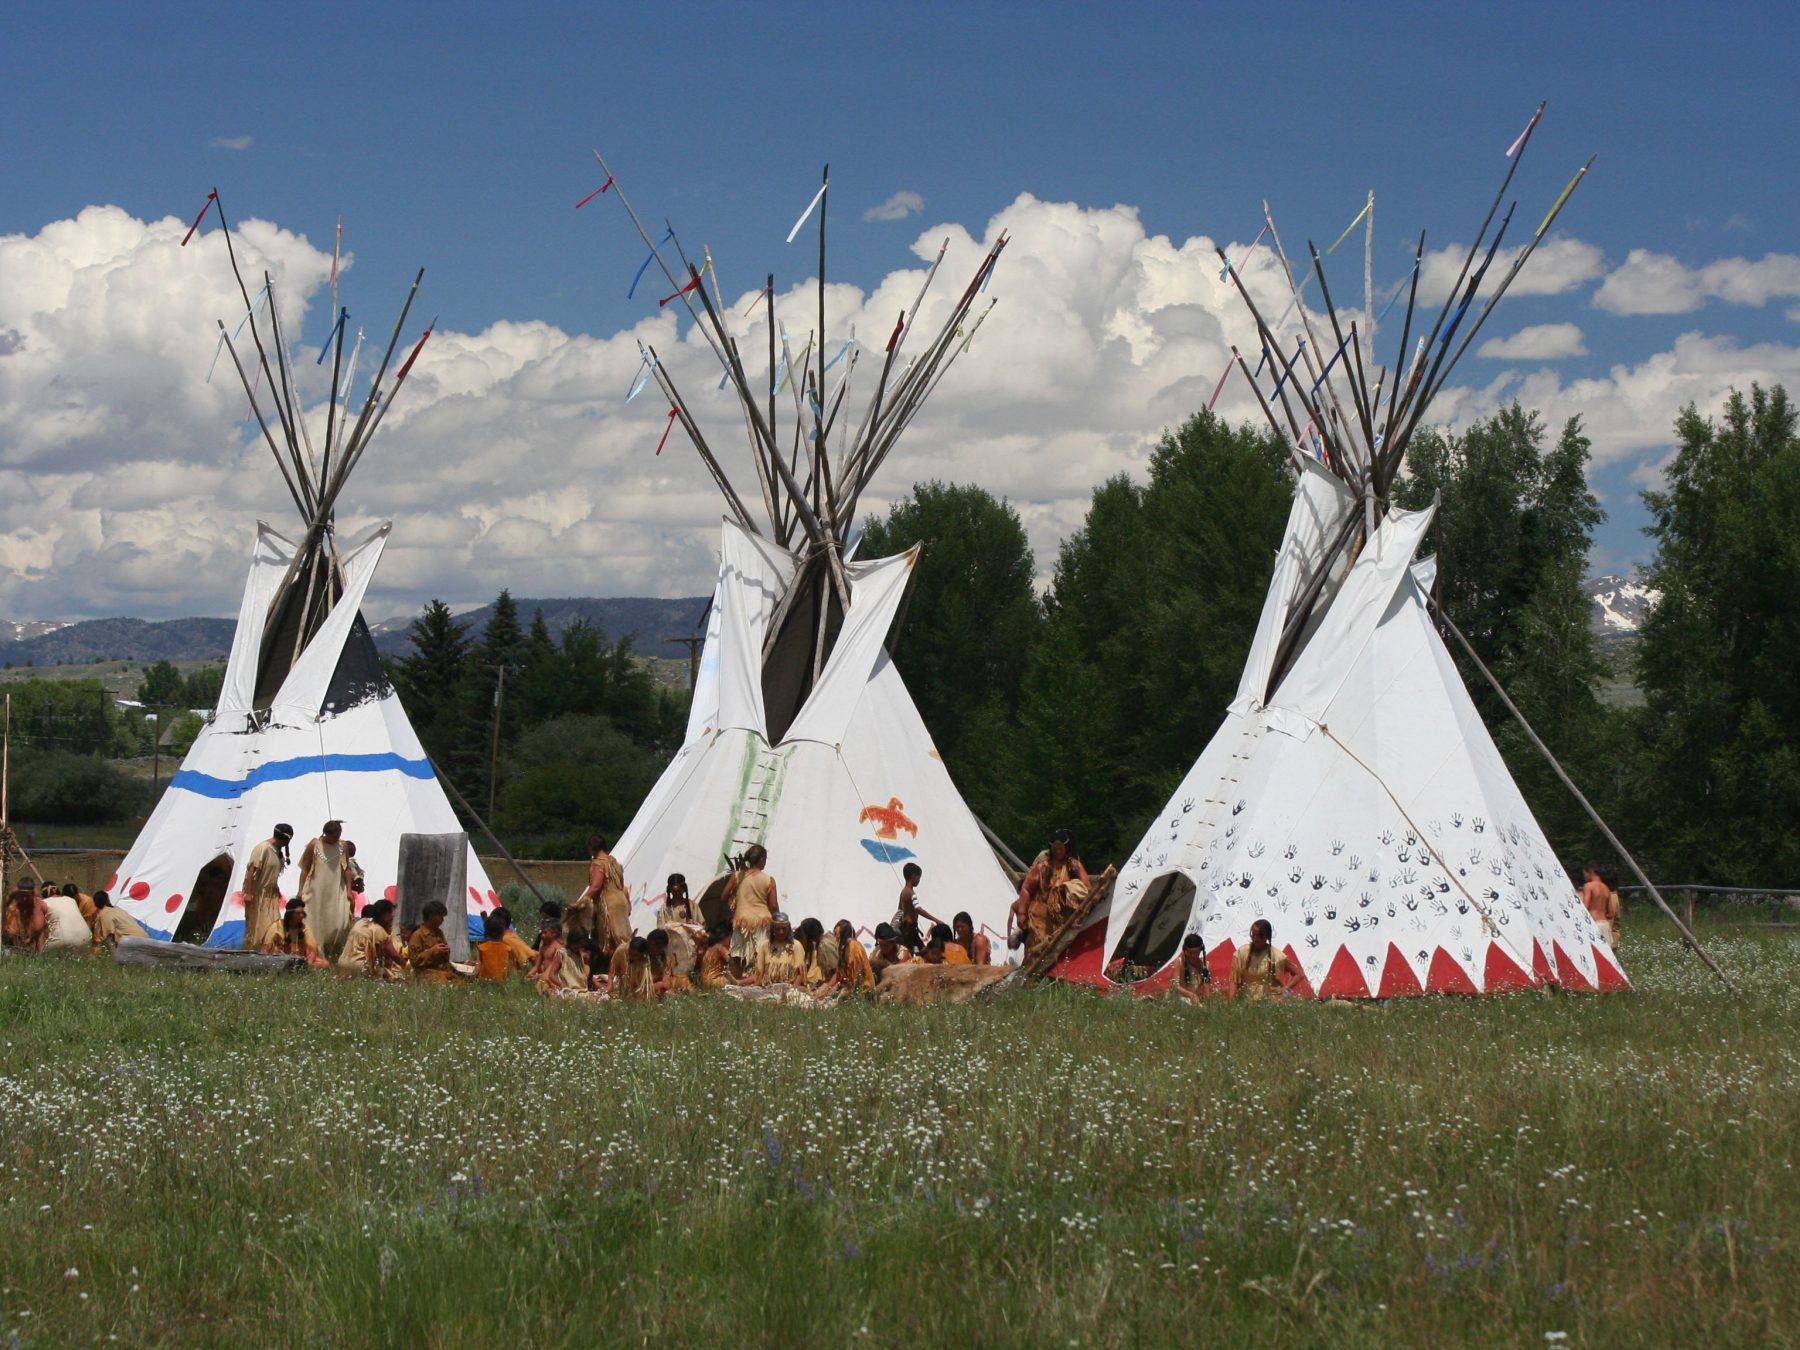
(150,954)
(916,982)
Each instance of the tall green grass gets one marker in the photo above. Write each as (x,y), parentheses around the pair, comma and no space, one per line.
(217,1160)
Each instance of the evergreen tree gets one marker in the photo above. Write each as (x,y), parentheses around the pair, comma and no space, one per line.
(480,704)
(536,687)
(429,678)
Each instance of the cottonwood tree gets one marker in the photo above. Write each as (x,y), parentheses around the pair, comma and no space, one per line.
(1717,663)
(1514,523)
(969,625)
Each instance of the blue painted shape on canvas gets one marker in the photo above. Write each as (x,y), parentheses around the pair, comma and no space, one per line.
(882,851)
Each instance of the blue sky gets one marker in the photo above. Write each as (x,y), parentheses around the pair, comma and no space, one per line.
(457,136)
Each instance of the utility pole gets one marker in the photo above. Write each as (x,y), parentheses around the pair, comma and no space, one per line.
(5,779)
(494,749)
(693,644)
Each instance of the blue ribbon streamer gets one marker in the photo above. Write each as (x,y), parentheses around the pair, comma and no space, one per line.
(647,364)
(1276,392)
(261,296)
(842,353)
(1334,360)
(336,328)
(647,261)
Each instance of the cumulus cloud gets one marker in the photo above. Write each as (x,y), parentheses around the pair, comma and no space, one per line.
(1656,283)
(232,142)
(1559,265)
(897,207)
(1632,408)
(128,484)
(1539,342)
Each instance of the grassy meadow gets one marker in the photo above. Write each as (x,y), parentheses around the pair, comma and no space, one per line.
(299,1160)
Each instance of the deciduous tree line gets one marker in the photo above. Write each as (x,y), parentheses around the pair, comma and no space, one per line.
(1084,706)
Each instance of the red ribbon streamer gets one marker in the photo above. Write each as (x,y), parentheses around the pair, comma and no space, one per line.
(693,285)
(400,379)
(667,428)
(211,197)
(595,193)
(1219,386)
(898,325)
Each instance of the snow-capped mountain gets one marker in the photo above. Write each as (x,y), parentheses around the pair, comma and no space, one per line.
(1620,605)
(11,631)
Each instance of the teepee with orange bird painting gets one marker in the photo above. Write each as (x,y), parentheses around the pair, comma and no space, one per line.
(802,737)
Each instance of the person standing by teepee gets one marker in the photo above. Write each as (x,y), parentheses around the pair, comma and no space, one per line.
(1053,889)
(604,908)
(1602,903)
(262,887)
(325,887)
(753,899)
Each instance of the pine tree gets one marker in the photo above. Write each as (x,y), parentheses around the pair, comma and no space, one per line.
(479,700)
(429,678)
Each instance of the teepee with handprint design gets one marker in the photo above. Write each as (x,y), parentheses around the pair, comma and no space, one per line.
(1352,796)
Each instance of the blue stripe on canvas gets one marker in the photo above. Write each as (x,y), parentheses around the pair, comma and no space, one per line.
(228,934)
(280,770)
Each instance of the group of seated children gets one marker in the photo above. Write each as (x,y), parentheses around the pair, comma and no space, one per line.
(26,923)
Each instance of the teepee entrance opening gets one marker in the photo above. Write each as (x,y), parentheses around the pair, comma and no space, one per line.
(790,661)
(712,902)
(205,901)
(1154,934)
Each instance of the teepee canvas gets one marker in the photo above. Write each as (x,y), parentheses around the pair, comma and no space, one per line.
(307,726)
(802,737)
(1352,797)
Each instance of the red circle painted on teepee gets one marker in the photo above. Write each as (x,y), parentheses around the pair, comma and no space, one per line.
(391,893)
(113,884)
(237,899)
(493,899)
(172,904)
(140,890)
(475,895)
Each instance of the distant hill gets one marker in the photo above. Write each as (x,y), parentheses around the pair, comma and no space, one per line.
(646,622)
(74,644)
(25,629)
(48,643)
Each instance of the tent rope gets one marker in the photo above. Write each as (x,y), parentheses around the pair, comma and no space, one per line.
(324,770)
